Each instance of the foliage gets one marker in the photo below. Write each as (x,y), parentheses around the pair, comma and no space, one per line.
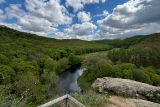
(6,74)
(146,53)
(122,43)
(3,59)
(30,65)
(92,100)
(97,67)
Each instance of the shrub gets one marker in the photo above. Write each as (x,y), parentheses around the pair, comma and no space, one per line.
(6,74)
(92,100)
(140,75)
(3,59)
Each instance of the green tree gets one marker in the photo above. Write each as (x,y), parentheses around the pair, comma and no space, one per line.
(7,74)
(74,60)
(140,75)
(50,65)
(64,64)
(3,59)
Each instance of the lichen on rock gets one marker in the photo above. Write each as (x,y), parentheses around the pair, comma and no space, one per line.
(128,88)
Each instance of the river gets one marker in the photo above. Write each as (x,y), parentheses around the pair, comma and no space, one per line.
(68,81)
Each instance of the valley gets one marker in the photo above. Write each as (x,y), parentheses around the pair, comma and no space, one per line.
(32,67)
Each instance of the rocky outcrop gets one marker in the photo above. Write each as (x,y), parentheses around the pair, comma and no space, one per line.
(116,101)
(143,103)
(126,87)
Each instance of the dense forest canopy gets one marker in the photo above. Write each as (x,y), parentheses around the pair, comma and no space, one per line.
(136,58)
(30,65)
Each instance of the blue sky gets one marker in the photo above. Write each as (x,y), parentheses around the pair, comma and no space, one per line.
(82,19)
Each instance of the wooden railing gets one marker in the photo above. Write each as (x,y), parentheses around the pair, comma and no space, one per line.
(66,98)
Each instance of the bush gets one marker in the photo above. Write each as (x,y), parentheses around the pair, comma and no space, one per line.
(7,74)
(95,68)
(74,60)
(50,65)
(3,59)
(92,100)
(140,75)
(64,65)
(98,67)
(20,66)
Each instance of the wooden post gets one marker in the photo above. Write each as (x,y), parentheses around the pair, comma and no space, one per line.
(66,102)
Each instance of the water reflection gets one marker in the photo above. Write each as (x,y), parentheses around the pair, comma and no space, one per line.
(68,81)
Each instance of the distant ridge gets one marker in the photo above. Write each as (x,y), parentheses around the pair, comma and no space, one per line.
(127,42)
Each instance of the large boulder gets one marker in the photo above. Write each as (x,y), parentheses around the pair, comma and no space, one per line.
(128,88)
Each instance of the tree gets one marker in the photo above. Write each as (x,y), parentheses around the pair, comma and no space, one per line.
(64,64)
(50,65)
(140,75)
(96,67)
(7,74)
(20,66)
(3,59)
(28,88)
(74,60)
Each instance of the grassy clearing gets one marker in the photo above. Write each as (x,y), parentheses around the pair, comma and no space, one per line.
(92,100)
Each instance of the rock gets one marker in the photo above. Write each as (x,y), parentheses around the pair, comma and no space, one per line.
(143,103)
(120,102)
(127,87)
(116,101)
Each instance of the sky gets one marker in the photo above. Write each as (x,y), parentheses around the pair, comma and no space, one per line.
(82,19)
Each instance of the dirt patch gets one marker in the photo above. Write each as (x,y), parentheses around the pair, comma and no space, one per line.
(116,101)
(120,102)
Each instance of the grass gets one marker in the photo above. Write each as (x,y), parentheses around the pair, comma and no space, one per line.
(82,82)
(100,54)
(92,100)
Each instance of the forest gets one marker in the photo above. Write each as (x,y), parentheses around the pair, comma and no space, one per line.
(139,61)
(30,65)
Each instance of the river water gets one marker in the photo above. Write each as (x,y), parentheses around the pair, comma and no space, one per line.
(68,81)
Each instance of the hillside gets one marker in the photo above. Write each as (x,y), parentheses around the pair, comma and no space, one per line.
(143,53)
(123,43)
(150,41)
(30,65)
(139,61)
(18,39)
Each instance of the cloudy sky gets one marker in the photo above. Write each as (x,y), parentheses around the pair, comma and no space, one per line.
(82,19)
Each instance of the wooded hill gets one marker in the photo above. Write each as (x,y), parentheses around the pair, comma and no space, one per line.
(19,40)
(139,61)
(30,65)
(124,42)
(145,52)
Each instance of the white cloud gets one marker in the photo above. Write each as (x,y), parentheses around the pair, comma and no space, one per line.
(2,1)
(15,11)
(132,17)
(78,31)
(41,17)
(35,24)
(79,4)
(105,13)
(83,16)
(51,11)
(2,16)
